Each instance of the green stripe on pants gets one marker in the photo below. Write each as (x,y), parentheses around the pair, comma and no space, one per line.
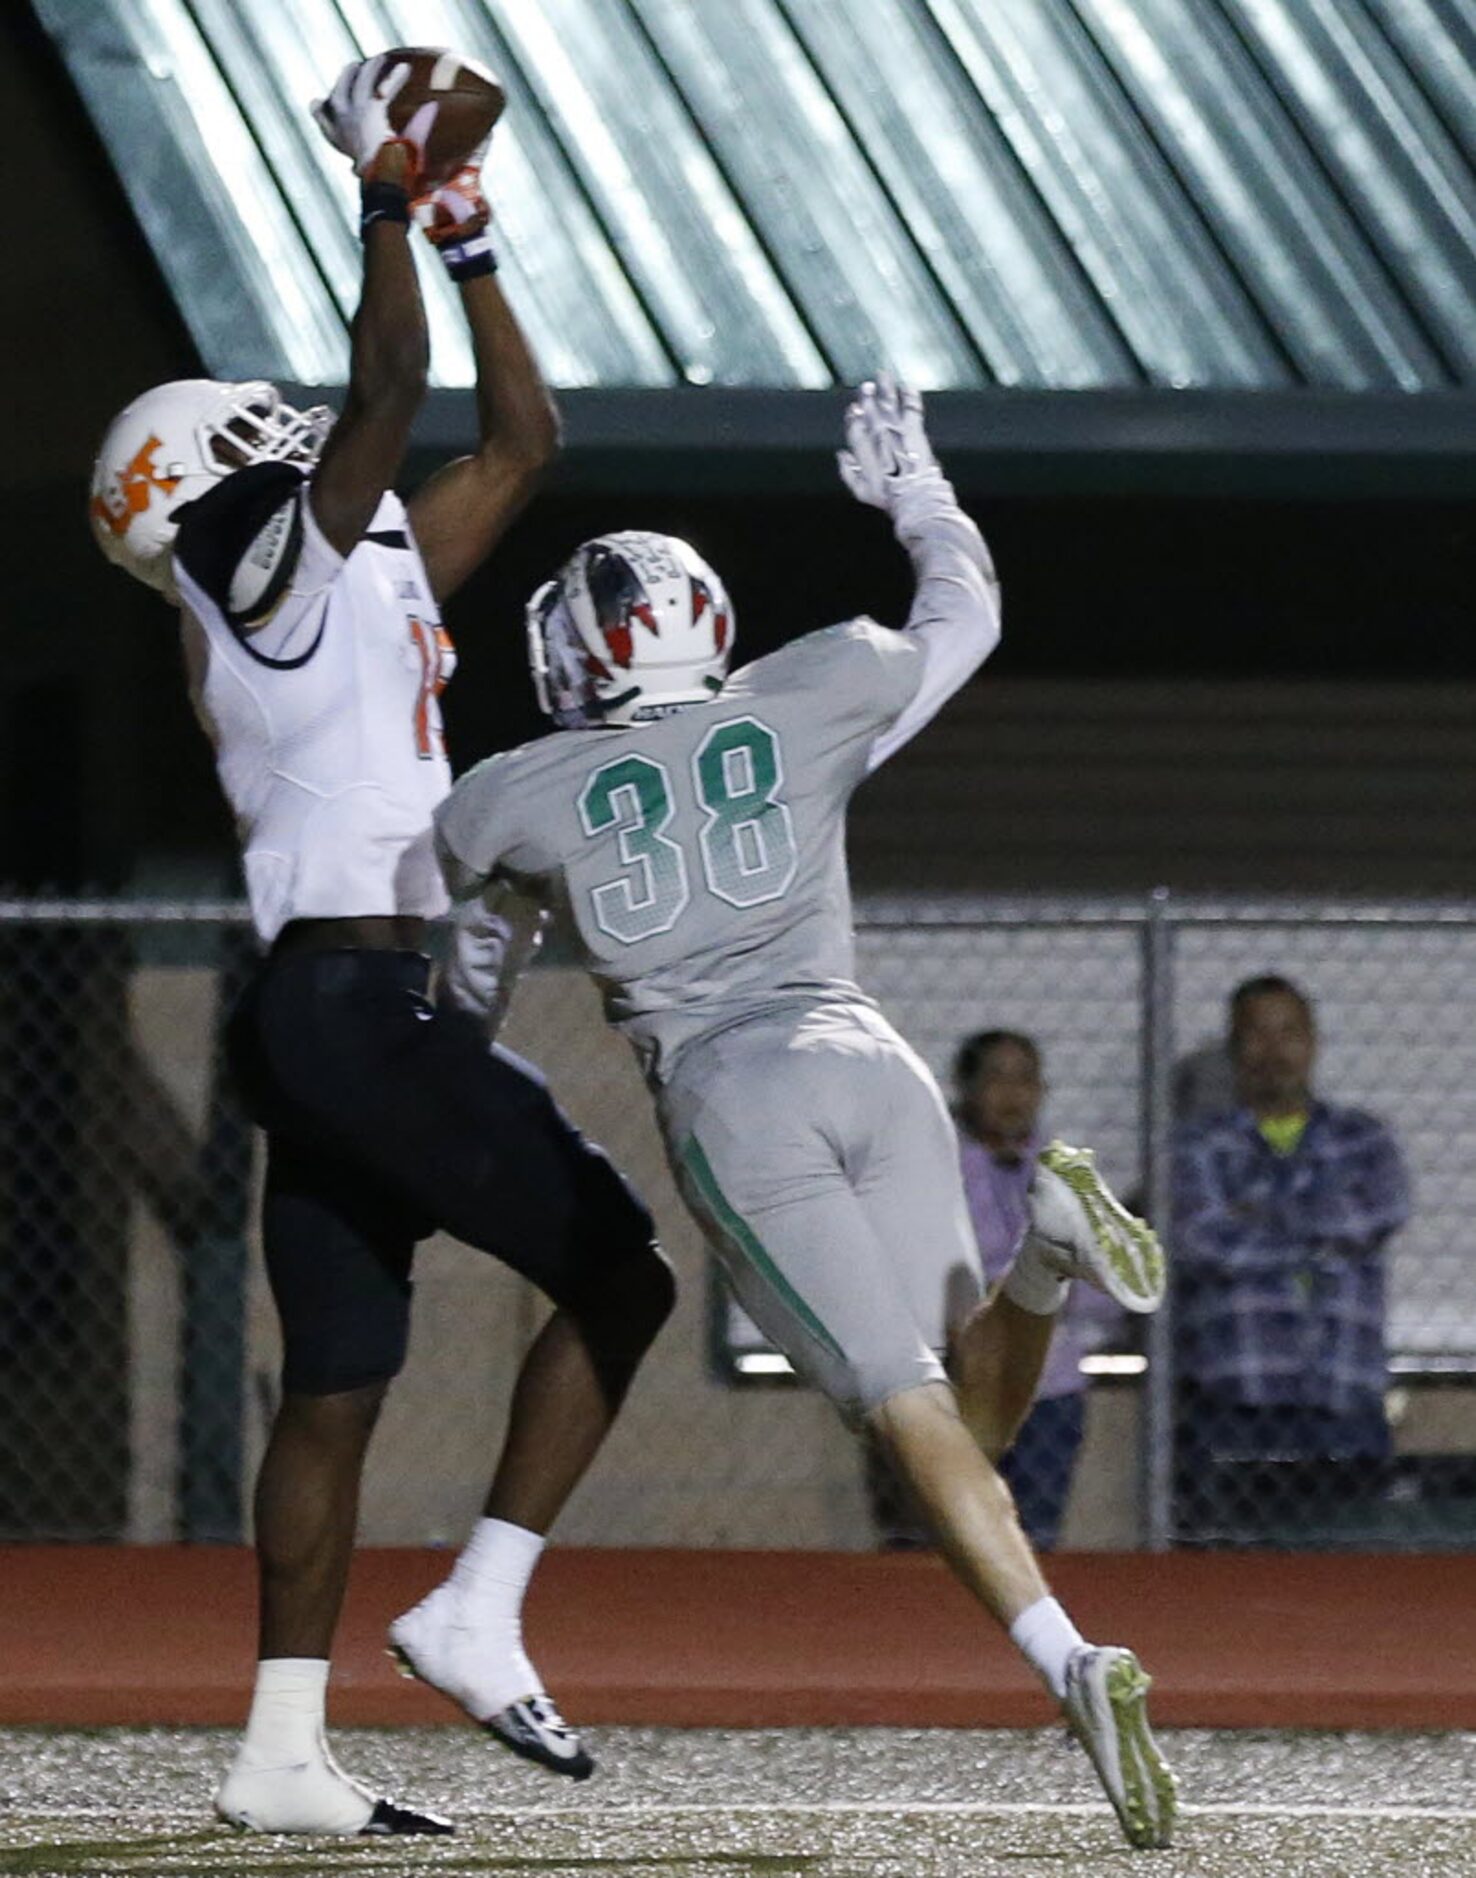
(737,1231)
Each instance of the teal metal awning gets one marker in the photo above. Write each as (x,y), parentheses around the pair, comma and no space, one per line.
(1044,194)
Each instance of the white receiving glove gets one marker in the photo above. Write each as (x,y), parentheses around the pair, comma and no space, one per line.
(888,462)
(354,117)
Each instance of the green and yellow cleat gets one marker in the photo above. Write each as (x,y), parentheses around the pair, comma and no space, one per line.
(1106,1705)
(1084,1230)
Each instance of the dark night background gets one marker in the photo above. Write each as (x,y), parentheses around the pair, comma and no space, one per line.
(106,783)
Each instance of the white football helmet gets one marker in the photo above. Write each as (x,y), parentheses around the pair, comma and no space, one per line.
(632,623)
(170,445)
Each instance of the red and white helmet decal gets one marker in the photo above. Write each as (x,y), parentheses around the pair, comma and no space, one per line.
(620,601)
(633,623)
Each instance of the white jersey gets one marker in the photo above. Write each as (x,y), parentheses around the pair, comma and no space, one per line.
(326,720)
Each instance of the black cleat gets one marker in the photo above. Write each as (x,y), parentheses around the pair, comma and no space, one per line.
(388,1819)
(535,1730)
(436,1653)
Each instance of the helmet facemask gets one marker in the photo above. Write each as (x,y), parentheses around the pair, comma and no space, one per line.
(562,680)
(259,426)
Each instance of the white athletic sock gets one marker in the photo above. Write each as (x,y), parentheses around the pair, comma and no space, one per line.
(1046,1637)
(491,1576)
(1032,1284)
(288,1710)
(497,1561)
(283,1778)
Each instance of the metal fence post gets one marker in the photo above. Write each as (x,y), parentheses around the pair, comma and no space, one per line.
(1156,1452)
(213,1263)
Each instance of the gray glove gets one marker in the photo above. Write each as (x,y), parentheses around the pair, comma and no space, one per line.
(497,934)
(888,462)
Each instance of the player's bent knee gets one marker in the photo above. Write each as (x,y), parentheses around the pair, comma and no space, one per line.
(619,1310)
(630,1297)
(900,1386)
(352,1357)
(333,1416)
(911,1407)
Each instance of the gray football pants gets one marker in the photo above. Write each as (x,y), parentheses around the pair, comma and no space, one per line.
(814,1148)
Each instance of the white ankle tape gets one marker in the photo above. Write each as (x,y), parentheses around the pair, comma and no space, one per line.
(1032,1284)
(499,1553)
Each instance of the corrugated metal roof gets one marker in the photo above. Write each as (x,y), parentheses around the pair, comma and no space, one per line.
(1041,193)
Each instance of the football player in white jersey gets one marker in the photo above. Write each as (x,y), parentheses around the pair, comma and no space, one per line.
(309,598)
(686,828)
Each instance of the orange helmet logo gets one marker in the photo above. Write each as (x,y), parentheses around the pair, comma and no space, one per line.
(136,484)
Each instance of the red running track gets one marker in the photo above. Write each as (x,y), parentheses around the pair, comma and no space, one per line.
(92,1635)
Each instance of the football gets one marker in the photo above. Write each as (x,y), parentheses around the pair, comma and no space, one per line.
(470,101)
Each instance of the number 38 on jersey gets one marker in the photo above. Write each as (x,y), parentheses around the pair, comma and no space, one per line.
(745,844)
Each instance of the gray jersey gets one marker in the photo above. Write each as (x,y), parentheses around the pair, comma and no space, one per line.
(698,861)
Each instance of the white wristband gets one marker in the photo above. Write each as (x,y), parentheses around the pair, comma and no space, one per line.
(464,260)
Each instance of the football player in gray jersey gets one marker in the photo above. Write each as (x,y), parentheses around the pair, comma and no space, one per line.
(686,830)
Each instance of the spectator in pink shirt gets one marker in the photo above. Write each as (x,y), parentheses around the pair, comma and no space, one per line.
(999,1087)
(998,1090)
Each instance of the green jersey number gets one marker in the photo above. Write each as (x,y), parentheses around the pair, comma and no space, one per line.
(633,795)
(748,852)
(746,843)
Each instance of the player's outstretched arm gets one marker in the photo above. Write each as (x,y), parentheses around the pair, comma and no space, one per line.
(461,513)
(389,346)
(888,463)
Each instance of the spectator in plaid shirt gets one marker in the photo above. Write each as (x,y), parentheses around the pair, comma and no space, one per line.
(1282,1208)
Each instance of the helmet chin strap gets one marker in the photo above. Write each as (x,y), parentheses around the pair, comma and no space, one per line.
(590,713)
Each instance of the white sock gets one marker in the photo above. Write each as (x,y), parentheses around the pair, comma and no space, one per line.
(1032,1284)
(288,1710)
(491,1575)
(283,1778)
(1046,1637)
(497,1561)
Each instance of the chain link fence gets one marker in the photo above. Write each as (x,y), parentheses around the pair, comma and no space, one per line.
(120,1148)
(138,1354)
(1129,1006)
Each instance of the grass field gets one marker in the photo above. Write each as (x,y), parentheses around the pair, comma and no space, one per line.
(826,1803)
